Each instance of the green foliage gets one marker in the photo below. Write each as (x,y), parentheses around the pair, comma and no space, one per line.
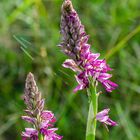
(29,35)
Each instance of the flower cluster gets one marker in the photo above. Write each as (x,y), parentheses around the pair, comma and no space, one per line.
(87,65)
(75,44)
(41,119)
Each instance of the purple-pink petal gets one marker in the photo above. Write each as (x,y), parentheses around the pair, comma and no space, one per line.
(69,63)
(109,85)
(30,133)
(51,135)
(102,113)
(92,57)
(82,81)
(110,122)
(103,117)
(47,115)
(29,119)
(79,87)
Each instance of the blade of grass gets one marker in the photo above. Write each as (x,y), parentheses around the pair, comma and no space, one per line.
(122,43)
(27,53)
(12,17)
(26,44)
(12,120)
(23,46)
(18,39)
(125,122)
(41,8)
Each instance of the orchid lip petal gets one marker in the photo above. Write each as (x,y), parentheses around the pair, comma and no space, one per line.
(29,119)
(69,63)
(103,117)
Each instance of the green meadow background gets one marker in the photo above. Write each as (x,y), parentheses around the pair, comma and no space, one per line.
(29,35)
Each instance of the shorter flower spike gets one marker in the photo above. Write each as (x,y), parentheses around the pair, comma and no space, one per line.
(103,117)
(41,119)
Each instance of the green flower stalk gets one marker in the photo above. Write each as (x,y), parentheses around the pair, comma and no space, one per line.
(93,109)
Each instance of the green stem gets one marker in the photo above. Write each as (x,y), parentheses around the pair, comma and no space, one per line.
(41,137)
(93,108)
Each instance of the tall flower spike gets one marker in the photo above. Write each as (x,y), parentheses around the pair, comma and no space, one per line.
(41,119)
(74,43)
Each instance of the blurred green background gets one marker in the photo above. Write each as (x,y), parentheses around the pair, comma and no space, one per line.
(29,35)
